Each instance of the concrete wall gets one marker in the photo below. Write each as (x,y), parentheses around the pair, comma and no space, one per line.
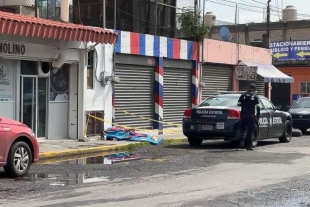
(280,31)
(229,53)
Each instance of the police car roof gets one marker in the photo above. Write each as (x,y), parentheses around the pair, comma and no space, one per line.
(237,94)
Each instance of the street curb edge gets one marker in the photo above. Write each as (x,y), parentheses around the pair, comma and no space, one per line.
(90,150)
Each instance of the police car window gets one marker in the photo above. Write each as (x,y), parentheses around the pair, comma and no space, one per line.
(220,101)
(267,104)
(301,103)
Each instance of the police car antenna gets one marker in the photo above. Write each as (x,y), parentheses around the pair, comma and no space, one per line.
(231,92)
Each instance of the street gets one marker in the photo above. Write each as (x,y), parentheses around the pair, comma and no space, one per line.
(214,174)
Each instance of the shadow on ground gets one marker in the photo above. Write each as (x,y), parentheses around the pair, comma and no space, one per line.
(220,146)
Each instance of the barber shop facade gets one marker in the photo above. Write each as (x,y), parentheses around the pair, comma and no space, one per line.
(39,75)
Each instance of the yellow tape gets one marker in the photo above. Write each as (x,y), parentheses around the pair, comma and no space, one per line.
(134,128)
(142,117)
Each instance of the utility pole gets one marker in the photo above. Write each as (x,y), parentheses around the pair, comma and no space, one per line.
(36,8)
(115,14)
(156,17)
(195,19)
(104,16)
(268,25)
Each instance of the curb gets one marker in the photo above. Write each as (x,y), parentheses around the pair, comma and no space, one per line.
(92,150)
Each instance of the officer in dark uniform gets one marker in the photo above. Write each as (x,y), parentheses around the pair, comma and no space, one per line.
(248,102)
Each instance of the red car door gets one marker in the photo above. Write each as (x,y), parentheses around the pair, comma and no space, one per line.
(2,142)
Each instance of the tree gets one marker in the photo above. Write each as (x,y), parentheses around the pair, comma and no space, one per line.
(192,24)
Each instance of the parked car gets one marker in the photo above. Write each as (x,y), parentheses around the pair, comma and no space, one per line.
(19,147)
(218,117)
(300,112)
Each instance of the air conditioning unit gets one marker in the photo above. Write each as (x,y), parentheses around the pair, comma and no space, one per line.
(44,68)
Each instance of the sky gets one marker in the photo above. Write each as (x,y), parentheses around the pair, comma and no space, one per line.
(252,10)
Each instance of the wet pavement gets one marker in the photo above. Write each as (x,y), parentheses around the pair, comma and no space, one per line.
(168,163)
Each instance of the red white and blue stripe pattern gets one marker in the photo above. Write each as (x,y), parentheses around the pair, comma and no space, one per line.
(155,46)
(195,82)
(158,93)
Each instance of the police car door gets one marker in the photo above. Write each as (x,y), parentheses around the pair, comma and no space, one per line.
(263,122)
(275,122)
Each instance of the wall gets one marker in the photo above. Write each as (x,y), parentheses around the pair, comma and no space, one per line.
(279,31)
(100,97)
(229,53)
(300,74)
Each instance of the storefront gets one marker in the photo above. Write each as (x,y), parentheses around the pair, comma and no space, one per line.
(216,78)
(267,74)
(40,72)
(177,79)
(301,85)
(134,94)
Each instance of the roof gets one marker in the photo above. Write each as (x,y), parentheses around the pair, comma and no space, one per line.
(16,24)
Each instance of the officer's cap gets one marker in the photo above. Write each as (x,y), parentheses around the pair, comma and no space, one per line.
(252,86)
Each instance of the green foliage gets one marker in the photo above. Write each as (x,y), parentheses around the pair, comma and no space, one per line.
(192,24)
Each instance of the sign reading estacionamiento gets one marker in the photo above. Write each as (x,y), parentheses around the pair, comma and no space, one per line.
(291,50)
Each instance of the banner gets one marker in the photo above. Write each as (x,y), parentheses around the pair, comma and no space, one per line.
(244,72)
(6,81)
(59,84)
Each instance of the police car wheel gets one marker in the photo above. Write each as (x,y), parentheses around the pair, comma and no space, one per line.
(195,142)
(287,132)
(255,137)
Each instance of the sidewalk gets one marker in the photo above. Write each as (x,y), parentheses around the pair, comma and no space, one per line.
(58,148)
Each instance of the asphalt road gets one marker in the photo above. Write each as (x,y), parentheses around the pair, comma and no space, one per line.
(213,175)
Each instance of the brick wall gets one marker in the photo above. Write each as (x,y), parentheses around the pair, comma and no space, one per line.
(279,31)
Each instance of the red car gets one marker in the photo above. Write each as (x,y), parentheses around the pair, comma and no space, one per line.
(19,147)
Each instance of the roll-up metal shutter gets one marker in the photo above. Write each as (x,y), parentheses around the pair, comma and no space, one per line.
(259,83)
(216,78)
(281,95)
(177,94)
(134,94)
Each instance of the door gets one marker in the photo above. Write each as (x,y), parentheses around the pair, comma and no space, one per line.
(177,94)
(33,103)
(134,95)
(275,122)
(2,142)
(216,78)
(259,83)
(264,122)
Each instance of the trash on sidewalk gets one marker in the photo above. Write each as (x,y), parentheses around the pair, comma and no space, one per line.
(122,134)
(120,157)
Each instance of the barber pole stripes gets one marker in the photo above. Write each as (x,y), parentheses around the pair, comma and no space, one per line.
(158,93)
(195,83)
(155,46)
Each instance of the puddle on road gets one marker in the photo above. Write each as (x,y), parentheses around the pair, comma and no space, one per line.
(64,179)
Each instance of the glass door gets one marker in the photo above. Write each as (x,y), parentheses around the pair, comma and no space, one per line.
(33,103)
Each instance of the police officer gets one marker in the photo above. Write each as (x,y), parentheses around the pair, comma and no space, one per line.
(248,101)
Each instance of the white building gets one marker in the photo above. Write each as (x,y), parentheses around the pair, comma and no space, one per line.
(44,74)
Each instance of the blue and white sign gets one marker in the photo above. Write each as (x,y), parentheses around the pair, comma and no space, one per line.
(291,50)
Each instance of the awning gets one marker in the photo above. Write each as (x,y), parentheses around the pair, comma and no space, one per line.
(271,73)
(16,24)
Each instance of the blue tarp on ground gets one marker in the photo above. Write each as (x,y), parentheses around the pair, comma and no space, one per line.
(122,134)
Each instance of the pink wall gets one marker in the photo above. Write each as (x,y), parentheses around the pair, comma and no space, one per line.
(227,53)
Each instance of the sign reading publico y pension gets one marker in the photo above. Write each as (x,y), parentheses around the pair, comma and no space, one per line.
(26,50)
(244,72)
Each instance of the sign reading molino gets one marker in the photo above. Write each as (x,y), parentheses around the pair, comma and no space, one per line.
(27,50)
(12,48)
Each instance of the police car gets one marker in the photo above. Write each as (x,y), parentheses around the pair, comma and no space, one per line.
(218,117)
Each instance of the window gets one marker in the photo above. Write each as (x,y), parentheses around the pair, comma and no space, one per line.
(221,101)
(304,87)
(302,103)
(267,104)
(90,69)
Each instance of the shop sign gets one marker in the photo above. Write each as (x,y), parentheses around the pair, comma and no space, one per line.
(6,83)
(26,50)
(244,72)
